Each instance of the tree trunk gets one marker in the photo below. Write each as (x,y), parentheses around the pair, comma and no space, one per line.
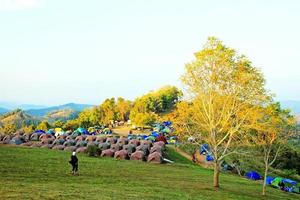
(216,174)
(265,178)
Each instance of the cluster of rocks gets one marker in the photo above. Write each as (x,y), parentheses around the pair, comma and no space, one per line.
(119,148)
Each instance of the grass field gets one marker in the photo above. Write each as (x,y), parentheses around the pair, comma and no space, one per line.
(33,173)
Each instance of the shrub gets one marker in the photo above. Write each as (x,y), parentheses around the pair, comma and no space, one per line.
(93,150)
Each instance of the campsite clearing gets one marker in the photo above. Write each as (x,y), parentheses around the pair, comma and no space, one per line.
(35,173)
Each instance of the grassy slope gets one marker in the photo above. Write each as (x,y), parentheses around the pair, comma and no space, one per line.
(27,173)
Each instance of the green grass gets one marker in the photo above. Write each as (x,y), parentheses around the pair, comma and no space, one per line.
(33,173)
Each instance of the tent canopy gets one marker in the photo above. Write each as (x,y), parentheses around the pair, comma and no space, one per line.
(253,175)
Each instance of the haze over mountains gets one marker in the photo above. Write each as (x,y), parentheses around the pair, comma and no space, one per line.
(38,113)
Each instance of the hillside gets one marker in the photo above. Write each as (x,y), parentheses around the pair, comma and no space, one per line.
(62,115)
(18,117)
(45,111)
(107,178)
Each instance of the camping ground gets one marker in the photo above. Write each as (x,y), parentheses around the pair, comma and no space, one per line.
(35,173)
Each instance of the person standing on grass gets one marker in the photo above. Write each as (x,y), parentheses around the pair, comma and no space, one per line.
(74,163)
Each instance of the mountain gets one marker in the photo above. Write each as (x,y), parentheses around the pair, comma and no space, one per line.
(70,106)
(18,117)
(13,106)
(3,110)
(61,115)
(294,106)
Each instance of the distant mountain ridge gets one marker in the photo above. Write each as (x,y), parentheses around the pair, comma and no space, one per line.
(70,106)
(3,110)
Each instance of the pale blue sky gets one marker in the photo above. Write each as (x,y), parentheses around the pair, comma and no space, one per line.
(59,51)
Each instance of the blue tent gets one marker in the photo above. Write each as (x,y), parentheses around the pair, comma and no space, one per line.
(269,180)
(209,157)
(39,132)
(253,175)
(167,123)
(204,149)
(155,134)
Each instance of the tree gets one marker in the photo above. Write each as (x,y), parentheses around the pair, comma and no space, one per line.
(107,111)
(275,127)
(71,124)
(44,125)
(226,91)
(89,117)
(9,128)
(145,119)
(58,123)
(159,102)
(28,129)
(123,109)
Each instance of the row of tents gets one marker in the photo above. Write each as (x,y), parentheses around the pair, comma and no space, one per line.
(284,184)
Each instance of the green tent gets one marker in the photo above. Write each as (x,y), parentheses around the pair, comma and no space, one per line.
(296,189)
(276,181)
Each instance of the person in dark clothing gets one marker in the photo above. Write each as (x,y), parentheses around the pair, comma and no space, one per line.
(74,163)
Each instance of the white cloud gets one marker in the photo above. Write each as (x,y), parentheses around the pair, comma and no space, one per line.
(13,5)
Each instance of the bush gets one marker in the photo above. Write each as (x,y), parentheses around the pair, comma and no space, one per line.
(93,150)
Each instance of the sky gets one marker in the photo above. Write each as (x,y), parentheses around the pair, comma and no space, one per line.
(59,51)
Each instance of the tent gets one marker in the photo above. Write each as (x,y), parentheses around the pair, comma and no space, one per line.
(39,132)
(253,175)
(209,158)
(51,131)
(276,181)
(269,180)
(296,189)
(155,134)
(205,149)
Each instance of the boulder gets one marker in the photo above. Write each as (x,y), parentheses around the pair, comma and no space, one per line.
(81,144)
(69,143)
(80,138)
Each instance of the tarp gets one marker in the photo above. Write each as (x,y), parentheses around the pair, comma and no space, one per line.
(253,175)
